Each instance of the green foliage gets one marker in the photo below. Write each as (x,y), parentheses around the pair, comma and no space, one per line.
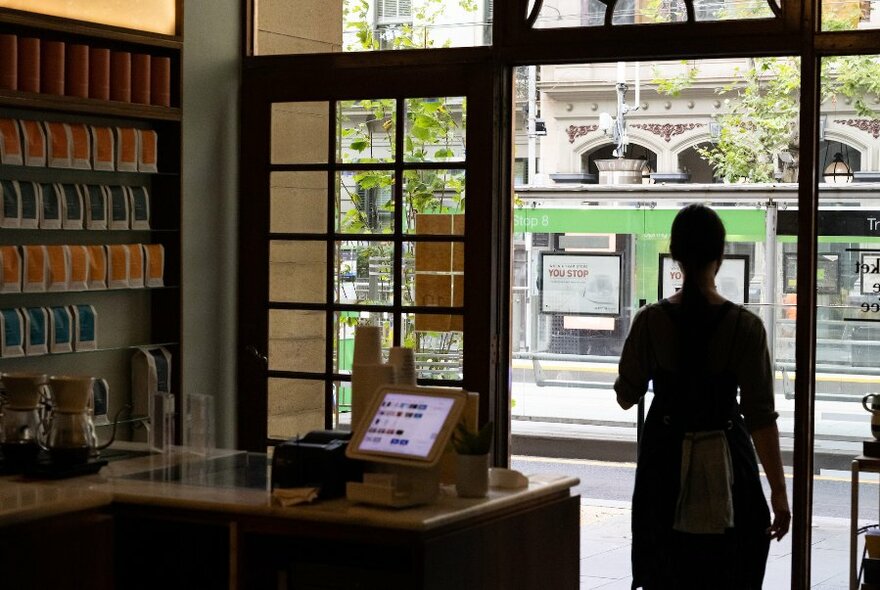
(763,105)
(673,85)
(468,442)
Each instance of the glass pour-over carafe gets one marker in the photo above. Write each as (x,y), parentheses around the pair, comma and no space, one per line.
(22,416)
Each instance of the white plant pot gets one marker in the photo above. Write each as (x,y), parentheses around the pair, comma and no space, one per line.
(472,476)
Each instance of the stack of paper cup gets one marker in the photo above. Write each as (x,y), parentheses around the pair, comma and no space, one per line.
(365,380)
(368,372)
(404,364)
(367,345)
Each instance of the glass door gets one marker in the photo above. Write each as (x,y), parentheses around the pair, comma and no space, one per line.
(363,199)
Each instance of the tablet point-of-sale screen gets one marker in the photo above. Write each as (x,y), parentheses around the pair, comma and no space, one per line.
(406,424)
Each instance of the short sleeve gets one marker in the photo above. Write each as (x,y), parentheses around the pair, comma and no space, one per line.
(755,376)
(634,371)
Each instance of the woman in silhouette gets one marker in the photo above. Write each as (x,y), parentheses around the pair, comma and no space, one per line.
(699,516)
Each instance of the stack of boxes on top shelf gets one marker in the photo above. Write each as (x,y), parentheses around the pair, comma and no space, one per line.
(50,66)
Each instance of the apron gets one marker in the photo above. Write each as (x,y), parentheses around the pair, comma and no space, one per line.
(694,401)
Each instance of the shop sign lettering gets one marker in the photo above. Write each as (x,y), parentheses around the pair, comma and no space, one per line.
(868,270)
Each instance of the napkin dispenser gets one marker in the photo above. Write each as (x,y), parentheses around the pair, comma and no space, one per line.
(316,460)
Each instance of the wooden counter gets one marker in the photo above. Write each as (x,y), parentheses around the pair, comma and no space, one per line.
(174,526)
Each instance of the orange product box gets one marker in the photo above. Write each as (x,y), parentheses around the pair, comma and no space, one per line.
(10,260)
(135,265)
(35,268)
(59,145)
(103,148)
(78,256)
(97,267)
(148,150)
(154,262)
(10,143)
(80,146)
(126,149)
(34,142)
(59,268)
(117,266)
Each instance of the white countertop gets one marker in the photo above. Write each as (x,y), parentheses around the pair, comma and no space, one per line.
(23,499)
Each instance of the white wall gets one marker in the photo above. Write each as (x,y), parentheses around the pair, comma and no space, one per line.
(211,67)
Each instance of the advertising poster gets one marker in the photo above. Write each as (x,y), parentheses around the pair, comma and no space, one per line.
(827,273)
(581,284)
(869,273)
(731,280)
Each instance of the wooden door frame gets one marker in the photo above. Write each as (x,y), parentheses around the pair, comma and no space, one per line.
(335,77)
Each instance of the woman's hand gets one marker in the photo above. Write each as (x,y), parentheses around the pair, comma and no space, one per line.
(781,515)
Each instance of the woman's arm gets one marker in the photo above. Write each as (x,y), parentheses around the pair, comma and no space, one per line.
(632,379)
(766,441)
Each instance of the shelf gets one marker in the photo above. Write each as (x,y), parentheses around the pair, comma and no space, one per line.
(41,230)
(8,359)
(71,104)
(114,290)
(78,28)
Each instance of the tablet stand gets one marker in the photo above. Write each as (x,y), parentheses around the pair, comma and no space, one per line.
(396,486)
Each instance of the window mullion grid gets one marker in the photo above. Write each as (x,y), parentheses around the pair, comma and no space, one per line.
(329,316)
(399,206)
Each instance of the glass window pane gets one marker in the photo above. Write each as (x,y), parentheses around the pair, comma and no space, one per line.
(557,14)
(435,129)
(438,344)
(297,340)
(322,26)
(298,202)
(298,272)
(365,130)
(296,407)
(434,274)
(847,284)
(416,24)
(364,272)
(365,202)
(342,404)
(346,322)
(297,26)
(850,15)
(434,201)
(300,132)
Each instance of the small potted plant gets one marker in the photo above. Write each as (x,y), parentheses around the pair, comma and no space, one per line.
(472,461)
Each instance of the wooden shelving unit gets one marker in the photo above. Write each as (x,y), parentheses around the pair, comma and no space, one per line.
(127,318)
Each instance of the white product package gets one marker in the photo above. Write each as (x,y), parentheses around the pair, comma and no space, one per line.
(36,331)
(58,260)
(140,207)
(50,211)
(119,207)
(85,327)
(29,196)
(34,135)
(60,330)
(117,266)
(10,213)
(150,374)
(11,149)
(154,265)
(97,266)
(11,333)
(95,198)
(135,265)
(103,148)
(71,207)
(10,265)
(58,144)
(78,258)
(36,268)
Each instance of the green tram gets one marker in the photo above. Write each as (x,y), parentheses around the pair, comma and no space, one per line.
(567,333)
